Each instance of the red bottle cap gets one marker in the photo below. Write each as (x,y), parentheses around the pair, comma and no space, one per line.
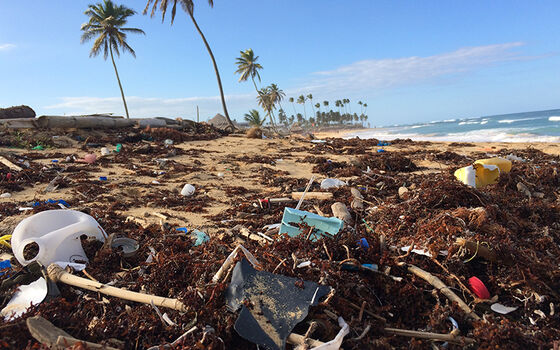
(478,288)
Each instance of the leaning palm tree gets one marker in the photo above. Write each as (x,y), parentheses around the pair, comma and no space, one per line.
(264,99)
(310,98)
(254,118)
(291,99)
(247,66)
(276,94)
(188,7)
(106,21)
(301,100)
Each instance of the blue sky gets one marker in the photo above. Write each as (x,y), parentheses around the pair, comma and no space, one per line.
(411,61)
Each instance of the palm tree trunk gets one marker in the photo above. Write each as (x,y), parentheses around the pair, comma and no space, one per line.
(119,80)
(215,69)
(256,89)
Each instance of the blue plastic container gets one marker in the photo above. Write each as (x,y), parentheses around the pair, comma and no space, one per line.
(321,224)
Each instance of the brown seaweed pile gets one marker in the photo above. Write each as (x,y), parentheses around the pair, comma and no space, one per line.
(509,239)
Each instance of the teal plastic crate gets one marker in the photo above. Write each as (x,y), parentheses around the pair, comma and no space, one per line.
(321,224)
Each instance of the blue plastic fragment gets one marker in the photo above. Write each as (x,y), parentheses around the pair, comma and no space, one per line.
(50,201)
(363,243)
(352,267)
(322,226)
(103,178)
(5,265)
(54,160)
(381,150)
(198,236)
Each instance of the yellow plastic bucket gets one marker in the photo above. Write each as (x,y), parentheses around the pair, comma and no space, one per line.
(483,172)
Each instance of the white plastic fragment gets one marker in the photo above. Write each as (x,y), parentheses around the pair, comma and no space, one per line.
(423,251)
(75,266)
(304,264)
(502,309)
(188,190)
(332,183)
(337,341)
(5,195)
(26,295)
(513,157)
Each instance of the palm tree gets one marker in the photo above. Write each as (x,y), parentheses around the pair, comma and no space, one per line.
(361,107)
(310,98)
(265,100)
(301,100)
(276,94)
(254,118)
(247,66)
(291,99)
(106,21)
(188,6)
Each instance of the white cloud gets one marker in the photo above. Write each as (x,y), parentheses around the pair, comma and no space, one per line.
(406,71)
(358,79)
(152,107)
(6,47)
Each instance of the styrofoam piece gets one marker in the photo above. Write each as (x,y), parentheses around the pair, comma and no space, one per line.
(24,297)
(57,233)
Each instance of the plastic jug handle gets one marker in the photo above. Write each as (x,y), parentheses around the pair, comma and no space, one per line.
(37,240)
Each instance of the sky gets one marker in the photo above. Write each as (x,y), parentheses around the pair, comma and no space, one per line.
(410,61)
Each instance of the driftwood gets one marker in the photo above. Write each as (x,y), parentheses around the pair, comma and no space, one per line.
(94,121)
(439,285)
(357,202)
(55,338)
(313,195)
(9,164)
(427,335)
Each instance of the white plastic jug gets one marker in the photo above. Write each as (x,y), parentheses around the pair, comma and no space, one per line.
(57,233)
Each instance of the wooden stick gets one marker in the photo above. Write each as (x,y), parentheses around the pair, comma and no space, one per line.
(313,195)
(427,335)
(57,274)
(70,341)
(439,285)
(300,201)
(9,164)
(296,339)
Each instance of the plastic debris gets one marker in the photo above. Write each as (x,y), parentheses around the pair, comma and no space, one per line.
(332,183)
(55,233)
(103,178)
(502,309)
(478,288)
(51,201)
(6,195)
(381,150)
(320,226)
(105,151)
(336,343)
(26,295)
(118,148)
(129,246)
(90,158)
(188,190)
(363,243)
(5,266)
(198,237)
(271,305)
(483,172)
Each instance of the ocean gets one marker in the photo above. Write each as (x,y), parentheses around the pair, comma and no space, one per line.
(540,126)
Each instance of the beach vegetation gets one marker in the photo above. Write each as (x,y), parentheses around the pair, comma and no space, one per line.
(107,25)
(254,118)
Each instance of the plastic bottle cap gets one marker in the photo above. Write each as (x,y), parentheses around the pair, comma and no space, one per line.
(478,288)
